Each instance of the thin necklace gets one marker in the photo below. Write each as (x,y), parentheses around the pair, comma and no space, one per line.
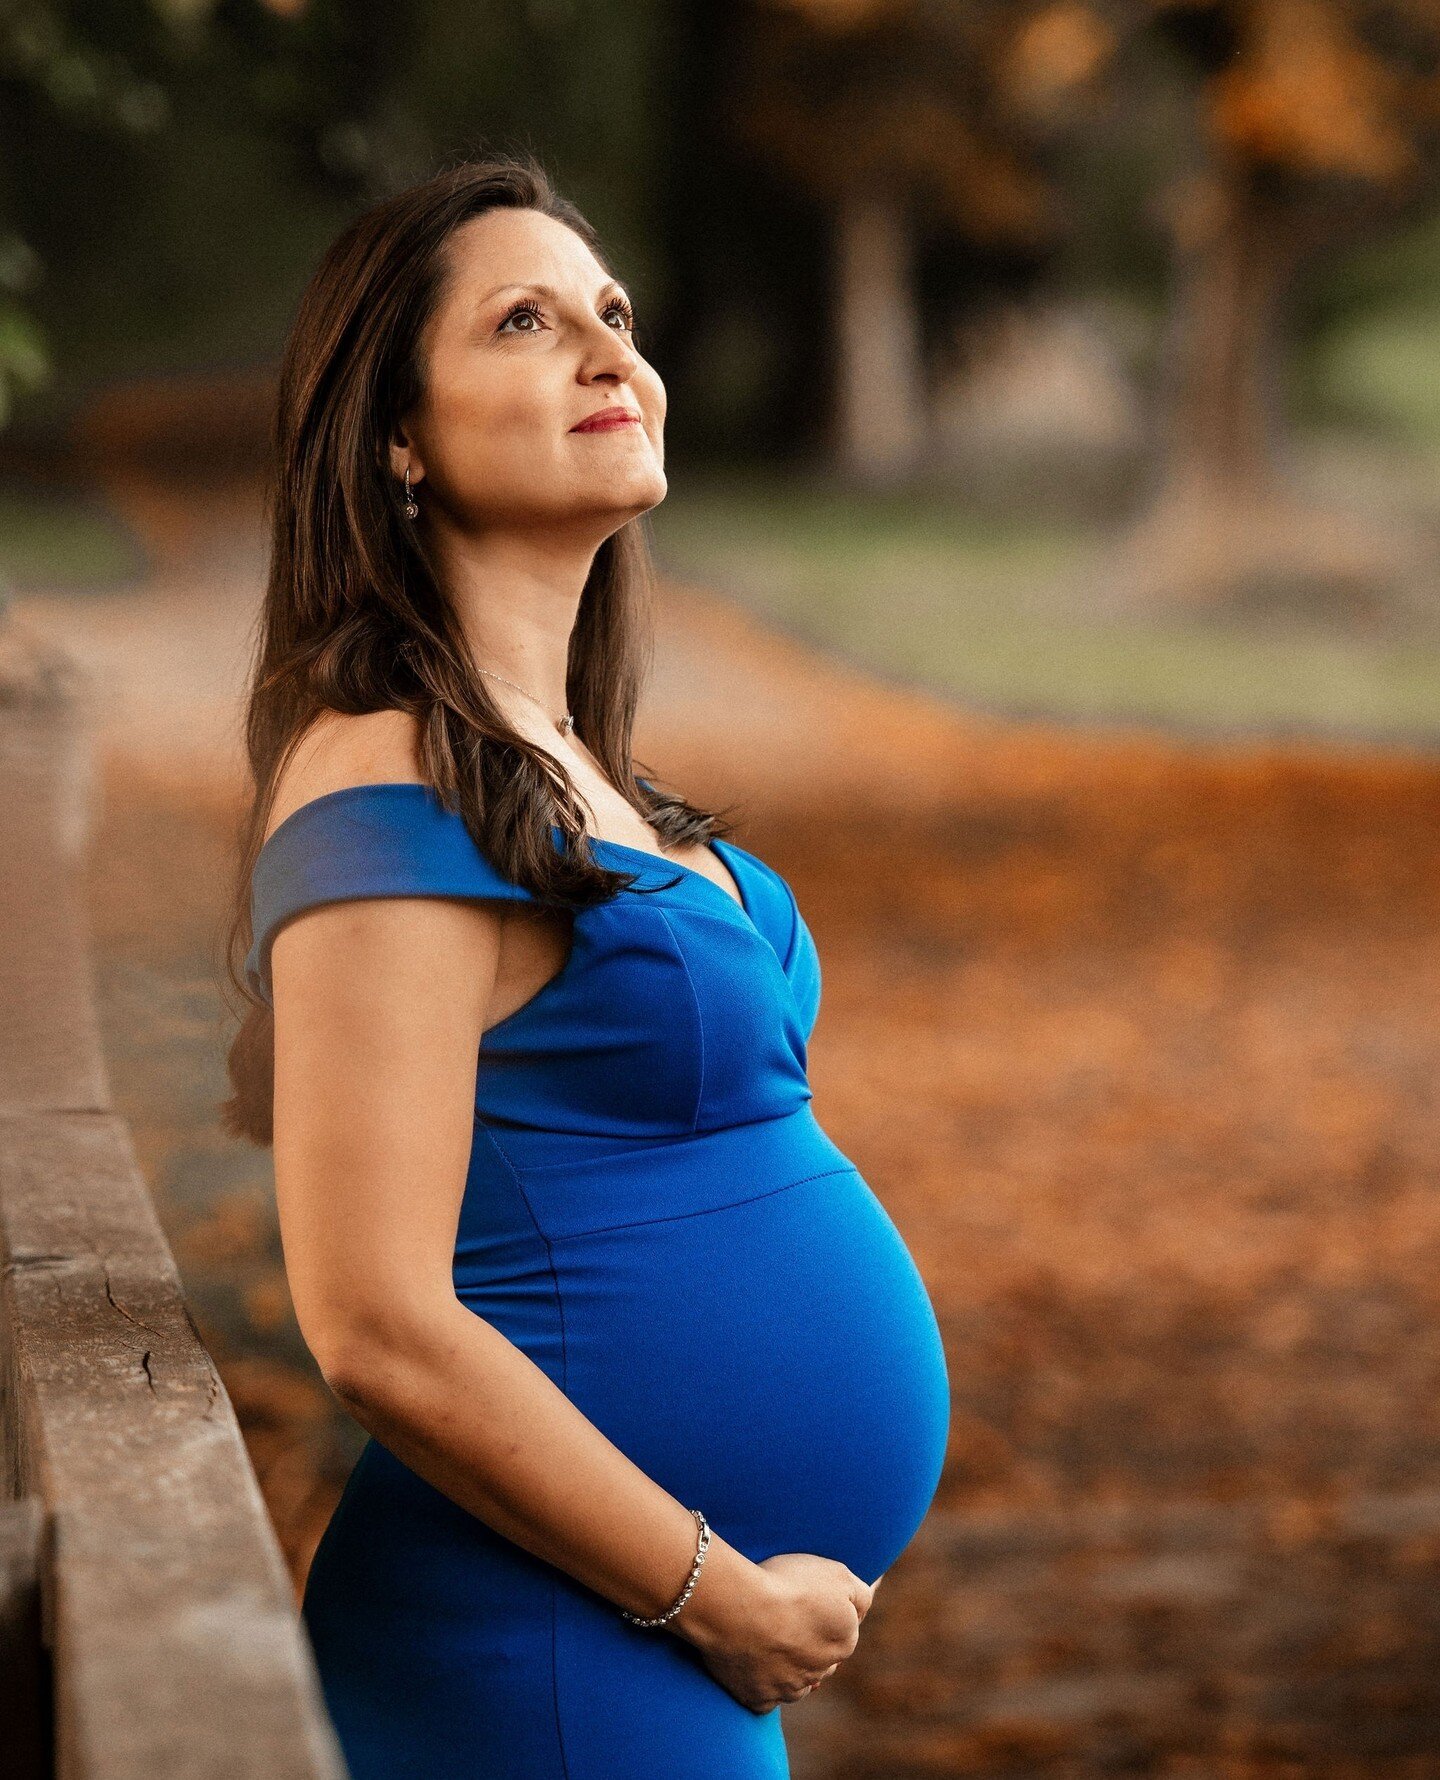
(563,724)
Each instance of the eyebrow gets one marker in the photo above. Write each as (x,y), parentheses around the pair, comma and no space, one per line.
(546,290)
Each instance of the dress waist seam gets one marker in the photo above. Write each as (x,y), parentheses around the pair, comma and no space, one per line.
(704,1211)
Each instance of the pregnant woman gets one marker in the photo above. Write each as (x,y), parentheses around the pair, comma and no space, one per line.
(654,1391)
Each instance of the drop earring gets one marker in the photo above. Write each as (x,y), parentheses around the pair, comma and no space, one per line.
(412,510)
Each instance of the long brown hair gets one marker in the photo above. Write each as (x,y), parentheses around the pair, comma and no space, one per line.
(354,618)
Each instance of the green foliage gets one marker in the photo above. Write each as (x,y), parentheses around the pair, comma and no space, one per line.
(175,167)
(381,94)
(56,71)
(24,362)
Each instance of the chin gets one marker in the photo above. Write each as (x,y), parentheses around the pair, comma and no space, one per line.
(646,493)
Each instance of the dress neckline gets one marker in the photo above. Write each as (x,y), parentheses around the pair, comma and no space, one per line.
(664,860)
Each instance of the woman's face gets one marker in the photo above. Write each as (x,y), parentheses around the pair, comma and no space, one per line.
(531,338)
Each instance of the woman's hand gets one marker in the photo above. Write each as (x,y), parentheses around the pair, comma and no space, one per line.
(834,1666)
(787,1632)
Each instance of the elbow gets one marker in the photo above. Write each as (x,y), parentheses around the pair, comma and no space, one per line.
(353,1373)
(377,1364)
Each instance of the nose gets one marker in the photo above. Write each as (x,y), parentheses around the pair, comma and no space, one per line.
(608,354)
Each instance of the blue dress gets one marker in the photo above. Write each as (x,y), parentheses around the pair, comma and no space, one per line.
(654,1215)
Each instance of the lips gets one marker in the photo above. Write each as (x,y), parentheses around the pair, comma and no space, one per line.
(606,420)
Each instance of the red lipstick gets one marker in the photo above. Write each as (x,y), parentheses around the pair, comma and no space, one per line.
(604,419)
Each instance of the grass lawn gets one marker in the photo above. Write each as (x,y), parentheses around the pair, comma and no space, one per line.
(63,540)
(985,608)
(918,587)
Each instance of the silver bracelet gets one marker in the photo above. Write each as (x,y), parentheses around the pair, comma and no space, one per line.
(684,1594)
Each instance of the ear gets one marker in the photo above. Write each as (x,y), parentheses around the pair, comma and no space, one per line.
(403,452)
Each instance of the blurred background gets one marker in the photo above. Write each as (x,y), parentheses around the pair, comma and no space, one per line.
(1051,578)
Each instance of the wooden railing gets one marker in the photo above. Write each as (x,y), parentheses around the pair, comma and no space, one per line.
(148,1626)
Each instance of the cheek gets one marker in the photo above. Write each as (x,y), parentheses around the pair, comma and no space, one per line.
(485,433)
(485,408)
(652,393)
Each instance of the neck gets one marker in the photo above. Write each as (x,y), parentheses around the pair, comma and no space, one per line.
(516,598)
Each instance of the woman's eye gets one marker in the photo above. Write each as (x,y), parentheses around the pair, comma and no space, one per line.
(617,306)
(522,309)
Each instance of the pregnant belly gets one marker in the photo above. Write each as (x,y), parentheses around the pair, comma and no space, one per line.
(774,1362)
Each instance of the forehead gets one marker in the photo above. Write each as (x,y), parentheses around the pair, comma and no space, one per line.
(509,246)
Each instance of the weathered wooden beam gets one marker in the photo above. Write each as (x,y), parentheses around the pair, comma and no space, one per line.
(176,1648)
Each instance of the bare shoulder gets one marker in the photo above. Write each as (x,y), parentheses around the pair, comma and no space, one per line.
(339,750)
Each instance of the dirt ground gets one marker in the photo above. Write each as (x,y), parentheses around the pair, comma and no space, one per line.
(1136,1042)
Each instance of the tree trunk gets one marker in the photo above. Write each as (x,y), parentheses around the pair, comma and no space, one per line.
(1226,524)
(1235,259)
(881,406)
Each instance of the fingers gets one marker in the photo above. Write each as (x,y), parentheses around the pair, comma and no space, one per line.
(861,1595)
(826,1676)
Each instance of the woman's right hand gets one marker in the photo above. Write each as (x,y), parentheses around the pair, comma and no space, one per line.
(792,1623)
